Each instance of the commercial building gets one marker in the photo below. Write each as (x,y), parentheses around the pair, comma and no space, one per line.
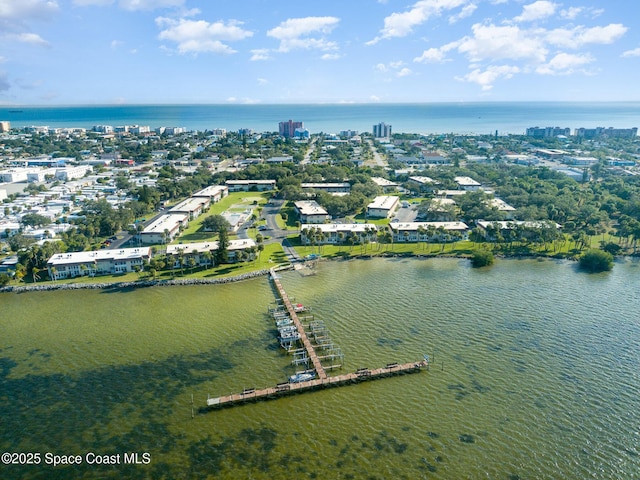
(383,206)
(5,126)
(310,212)
(98,262)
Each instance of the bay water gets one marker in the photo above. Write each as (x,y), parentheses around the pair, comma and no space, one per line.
(534,375)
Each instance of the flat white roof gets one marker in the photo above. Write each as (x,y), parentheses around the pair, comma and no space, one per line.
(326,185)
(188,205)
(500,205)
(383,182)
(384,202)
(468,181)
(211,191)
(423,180)
(99,255)
(166,222)
(250,182)
(200,247)
(340,227)
(310,207)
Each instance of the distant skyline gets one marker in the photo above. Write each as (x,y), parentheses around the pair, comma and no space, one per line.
(109,52)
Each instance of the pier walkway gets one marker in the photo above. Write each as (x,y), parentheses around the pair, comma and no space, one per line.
(282,389)
(311,352)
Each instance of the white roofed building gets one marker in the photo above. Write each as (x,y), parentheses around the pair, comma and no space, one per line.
(336,233)
(383,206)
(164,228)
(97,262)
(428,231)
(310,211)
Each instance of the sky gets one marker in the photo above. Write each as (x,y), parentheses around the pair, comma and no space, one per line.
(66,52)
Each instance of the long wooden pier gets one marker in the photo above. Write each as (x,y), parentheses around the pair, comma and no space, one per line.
(283,389)
(322,380)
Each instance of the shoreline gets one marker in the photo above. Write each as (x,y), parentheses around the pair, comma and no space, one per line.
(137,284)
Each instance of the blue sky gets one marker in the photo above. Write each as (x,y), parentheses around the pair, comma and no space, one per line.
(60,52)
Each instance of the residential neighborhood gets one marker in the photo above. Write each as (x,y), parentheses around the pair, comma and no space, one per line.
(117,199)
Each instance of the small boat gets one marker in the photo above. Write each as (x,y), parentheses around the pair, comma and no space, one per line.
(287,329)
(300,308)
(302,377)
(283,322)
(290,336)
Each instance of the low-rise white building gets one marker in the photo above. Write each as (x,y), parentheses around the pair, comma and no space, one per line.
(97,262)
(336,187)
(386,185)
(428,231)
(383,206)
(164,229)
(200,251)
(214,193)
(310,212)
(72,173)
(337,233)
(250,185)
(467,183)
(193,206)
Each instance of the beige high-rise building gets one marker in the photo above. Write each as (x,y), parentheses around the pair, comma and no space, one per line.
(5,126)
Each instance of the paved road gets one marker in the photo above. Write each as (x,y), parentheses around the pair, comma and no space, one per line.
(274,232)
(377,158)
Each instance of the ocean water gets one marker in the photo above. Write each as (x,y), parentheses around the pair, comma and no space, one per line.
(534,375)
(438,118)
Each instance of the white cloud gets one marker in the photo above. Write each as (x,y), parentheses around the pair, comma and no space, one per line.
(632,53)
(571,12)
(115,44)
(564,64)
(432,55)
(381,67)
(331,56)
(199,36)
(404,72)
(487,78)
(22,10)
(374,99)
(87,3)
(294,33)
(466,11)
(537,11)
(580,36)
(149,4)
(491,42)
(262,81)
(402,24)
(260,54)
(30,38)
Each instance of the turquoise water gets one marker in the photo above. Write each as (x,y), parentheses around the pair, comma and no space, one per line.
(481,118)
(535,375)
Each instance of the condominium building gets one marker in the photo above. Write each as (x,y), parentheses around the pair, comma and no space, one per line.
(97,262)
(288,129)
(382,130)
